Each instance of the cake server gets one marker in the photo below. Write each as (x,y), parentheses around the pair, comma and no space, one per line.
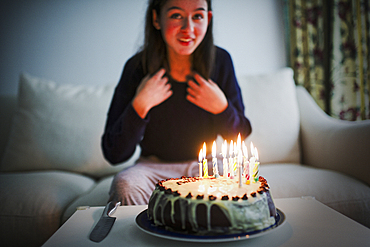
(105,223)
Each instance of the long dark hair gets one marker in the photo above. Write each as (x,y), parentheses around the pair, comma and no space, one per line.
(154,54)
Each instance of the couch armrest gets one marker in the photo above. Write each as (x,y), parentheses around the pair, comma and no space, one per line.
(333,144)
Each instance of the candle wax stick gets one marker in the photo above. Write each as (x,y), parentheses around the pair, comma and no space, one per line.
(214,159)
(215,168)
(256,171)
(200,169)
(252,162)
(205,168)
(205,164)
(200,162)
(240,167)
(235,166)
(230,166)
(245,161)
(246,169)
(231,159)
(240,175)
(235,160)
(224,161)
(226,168)
(256,176)
(239,159)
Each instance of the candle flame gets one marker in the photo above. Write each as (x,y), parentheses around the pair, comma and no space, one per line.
(200,155)
(214,149)
(204,150)
(231,148)
(256,154)
(252,149)
(238,145)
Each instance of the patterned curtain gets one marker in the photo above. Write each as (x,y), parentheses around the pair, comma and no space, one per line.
(328,43)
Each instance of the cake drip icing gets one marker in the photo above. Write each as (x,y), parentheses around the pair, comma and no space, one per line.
(211,205)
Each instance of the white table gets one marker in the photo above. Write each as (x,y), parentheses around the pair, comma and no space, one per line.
(308,223)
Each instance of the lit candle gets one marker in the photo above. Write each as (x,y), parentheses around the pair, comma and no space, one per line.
(252,162)
(245,161)
(224,151)
(239,160)
(231,159)
(214,160)
(256,170)
(235,160)
(205,164)
(200,163)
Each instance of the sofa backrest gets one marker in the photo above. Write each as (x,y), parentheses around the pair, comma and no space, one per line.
(59,127)
(271,105)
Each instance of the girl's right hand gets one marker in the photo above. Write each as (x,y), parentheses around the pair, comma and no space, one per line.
(151,92)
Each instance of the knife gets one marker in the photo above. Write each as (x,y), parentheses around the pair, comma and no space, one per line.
(105,223)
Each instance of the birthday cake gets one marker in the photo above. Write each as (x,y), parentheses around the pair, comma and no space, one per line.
(212,205)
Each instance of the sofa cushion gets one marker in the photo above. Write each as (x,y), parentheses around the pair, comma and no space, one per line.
(33,203)
(271,105)
(336,190)
(59,127)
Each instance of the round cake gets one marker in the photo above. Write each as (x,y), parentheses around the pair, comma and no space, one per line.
(212,205)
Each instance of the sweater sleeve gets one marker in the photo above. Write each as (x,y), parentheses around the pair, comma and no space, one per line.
(124,128)
(232,121)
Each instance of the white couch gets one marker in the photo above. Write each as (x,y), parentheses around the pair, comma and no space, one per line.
(52,161)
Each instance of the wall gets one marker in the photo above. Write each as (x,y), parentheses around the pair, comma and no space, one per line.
(88,41)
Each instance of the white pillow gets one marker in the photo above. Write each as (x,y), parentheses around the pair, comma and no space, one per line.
(59,127)
(271,105)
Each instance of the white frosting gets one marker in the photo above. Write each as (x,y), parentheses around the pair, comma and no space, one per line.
(210,186)
(243,215)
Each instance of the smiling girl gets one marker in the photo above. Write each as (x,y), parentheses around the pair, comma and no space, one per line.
(177,92)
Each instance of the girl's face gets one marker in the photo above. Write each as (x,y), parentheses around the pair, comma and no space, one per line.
(183,24)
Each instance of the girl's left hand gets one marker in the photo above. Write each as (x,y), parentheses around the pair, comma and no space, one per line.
(207,95)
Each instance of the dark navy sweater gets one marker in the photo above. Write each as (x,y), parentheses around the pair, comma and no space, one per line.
(176,129)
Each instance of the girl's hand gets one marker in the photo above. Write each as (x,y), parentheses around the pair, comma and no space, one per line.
(206,95)
(151,92)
